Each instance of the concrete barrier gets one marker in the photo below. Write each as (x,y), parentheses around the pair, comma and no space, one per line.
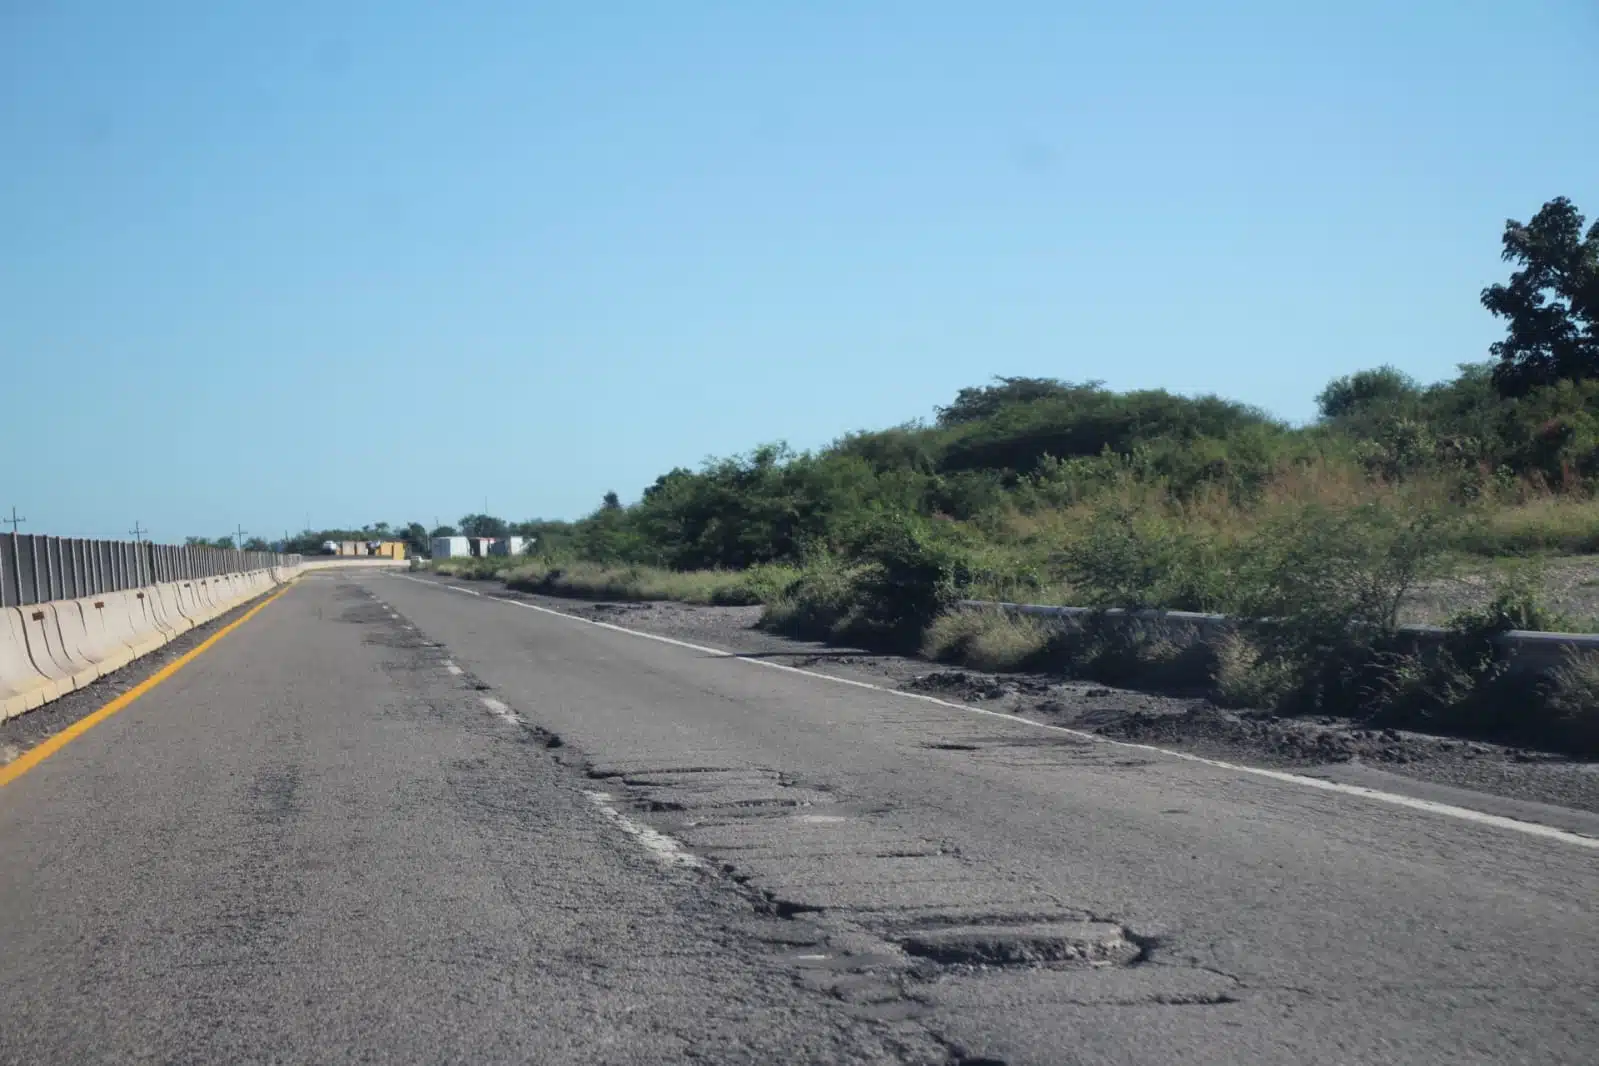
(189,600)
(91,654)
(166,596)
(43,635)
(151,603)
(126,619)
(22,686)
(50,649)
(358,562)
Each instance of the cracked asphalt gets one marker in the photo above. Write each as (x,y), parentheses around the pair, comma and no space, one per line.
(387,820)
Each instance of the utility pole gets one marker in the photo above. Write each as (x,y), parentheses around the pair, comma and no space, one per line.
(238,539)
(14,520)
(137,533)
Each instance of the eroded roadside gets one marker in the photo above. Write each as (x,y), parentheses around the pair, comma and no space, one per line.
(1033,896)
(1318,745)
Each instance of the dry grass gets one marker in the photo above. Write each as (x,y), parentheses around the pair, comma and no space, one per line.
(640,583)
(985,640)
(1243,678)
(1573,697)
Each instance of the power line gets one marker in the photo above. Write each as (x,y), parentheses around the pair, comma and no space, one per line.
(137,533)
(14,520)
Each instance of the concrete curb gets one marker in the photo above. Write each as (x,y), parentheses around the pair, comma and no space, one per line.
(1527,649)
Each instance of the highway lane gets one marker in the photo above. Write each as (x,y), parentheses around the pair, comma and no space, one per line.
(1183,911)
(315,843)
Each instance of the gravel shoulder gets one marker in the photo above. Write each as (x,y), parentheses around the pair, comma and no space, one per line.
(1306,745)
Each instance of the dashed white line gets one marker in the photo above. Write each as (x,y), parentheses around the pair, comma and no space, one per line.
(1464,814)
(661,847)
(496,707)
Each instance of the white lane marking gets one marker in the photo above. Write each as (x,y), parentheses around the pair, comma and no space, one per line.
(502,710)
(660,846)
(452,668)
(1396,799)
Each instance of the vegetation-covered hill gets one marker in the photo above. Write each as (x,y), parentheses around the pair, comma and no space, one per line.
(1029,488)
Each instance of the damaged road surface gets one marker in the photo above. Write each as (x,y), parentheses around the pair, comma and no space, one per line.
(394,821)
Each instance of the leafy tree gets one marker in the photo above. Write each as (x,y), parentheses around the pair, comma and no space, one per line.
(257,544)
(1551,303)
(482,525)
(1366,389)
(416,540)
(444,531)
(611,502)
(979,402)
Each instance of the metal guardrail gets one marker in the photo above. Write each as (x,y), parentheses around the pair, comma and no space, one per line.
(1532,648)
(37,569)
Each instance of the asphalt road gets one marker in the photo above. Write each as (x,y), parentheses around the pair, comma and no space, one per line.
(390,821)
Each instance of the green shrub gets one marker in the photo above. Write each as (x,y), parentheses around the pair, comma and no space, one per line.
(1140,559)
(1242,677)
(820,604)
(1572,696)
(986,640)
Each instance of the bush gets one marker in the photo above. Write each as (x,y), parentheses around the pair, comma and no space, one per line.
(1132,558)
(910,577)
(1572,695)
(819,605)
(986,640)
(1242,677)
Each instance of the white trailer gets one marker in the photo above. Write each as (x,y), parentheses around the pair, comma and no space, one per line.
(451,547)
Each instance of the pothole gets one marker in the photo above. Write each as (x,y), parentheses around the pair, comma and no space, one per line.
(1080,943)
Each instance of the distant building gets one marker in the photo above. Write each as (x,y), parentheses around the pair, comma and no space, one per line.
(388,549)
(451,547)
(510,545)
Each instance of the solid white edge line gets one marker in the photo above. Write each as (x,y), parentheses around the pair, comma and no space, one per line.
(660,846)
(1465,814)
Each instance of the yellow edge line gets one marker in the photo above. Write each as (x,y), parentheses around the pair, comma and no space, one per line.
(43,750)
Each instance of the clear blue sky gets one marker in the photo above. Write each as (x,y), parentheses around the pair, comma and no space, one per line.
(267,262)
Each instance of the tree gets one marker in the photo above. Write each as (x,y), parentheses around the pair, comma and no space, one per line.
(1551,303)
(483,525)
(979,402)
(444,531)
(1385,386)
(611,502)
(256,544)
(416,540)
